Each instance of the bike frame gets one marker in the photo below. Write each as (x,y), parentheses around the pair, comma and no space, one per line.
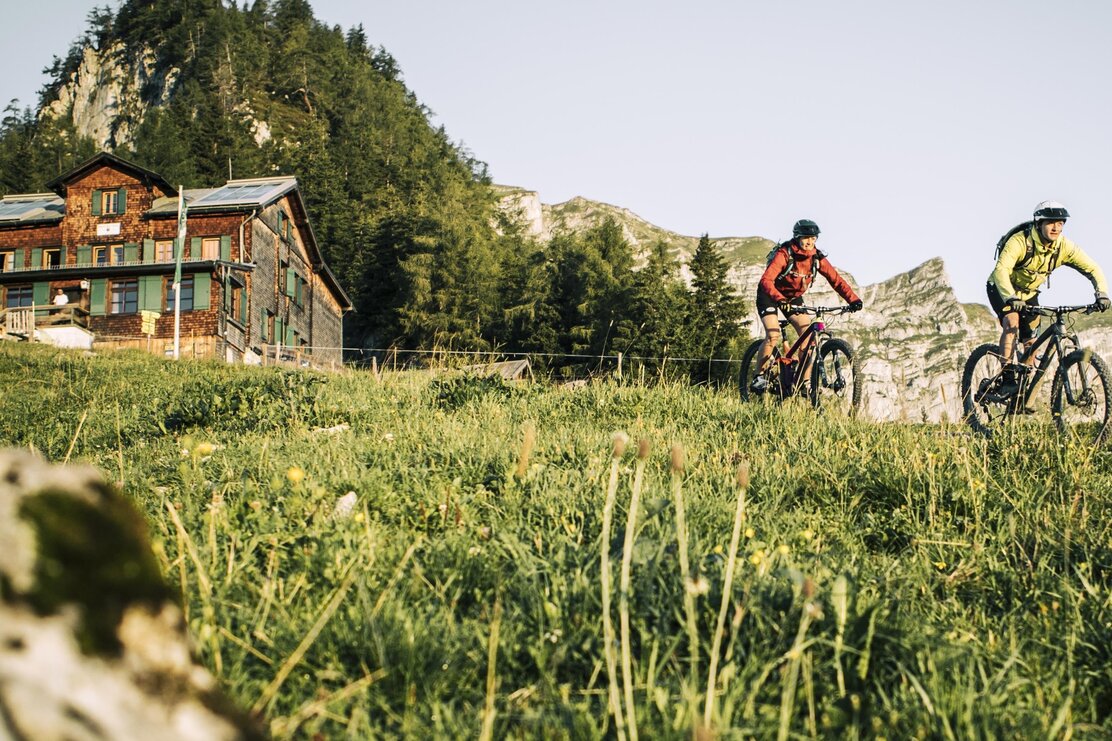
(808,342)
(1053,337)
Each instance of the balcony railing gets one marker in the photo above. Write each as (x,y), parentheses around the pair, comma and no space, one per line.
(118,264)
(24,320)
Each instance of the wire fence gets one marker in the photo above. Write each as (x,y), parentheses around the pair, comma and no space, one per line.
(559,365)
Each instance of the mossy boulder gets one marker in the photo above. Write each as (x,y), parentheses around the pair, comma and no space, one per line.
(92,642)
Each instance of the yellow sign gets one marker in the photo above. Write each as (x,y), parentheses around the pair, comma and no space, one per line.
(149,318)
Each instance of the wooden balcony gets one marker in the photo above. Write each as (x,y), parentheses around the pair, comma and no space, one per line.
(21,322)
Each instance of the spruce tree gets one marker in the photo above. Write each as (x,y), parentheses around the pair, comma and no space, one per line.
(718,312)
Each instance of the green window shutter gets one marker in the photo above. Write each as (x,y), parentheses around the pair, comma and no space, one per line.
(291,337)
(148,250)
(263,326)
(36,258)
(150,293)
(121,201)
(40,295)
(281,225)
(98,294)
(194,248)
(131,252)
(177,248)
(84,254)
(96,203)
(226,248)
(243,306)
(279,329)
(201,290)
(291,282)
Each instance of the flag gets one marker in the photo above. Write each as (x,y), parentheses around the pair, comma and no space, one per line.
(180,245)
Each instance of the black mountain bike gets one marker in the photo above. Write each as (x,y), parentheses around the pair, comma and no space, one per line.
(1080,394)
(828,361)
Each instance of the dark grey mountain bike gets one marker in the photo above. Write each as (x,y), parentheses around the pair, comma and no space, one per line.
(827,361)
(1080,394)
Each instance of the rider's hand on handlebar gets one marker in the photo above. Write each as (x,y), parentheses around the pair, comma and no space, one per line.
(1015,304)
(856,305)
(1102,302)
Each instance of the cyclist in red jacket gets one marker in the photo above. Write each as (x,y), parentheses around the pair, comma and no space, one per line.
(790,273)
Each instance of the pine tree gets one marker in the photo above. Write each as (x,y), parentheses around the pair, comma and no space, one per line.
(718,312)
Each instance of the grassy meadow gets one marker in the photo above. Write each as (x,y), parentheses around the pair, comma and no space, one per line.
(890,581)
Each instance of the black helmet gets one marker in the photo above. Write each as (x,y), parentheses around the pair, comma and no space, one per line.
(1051,211)
(805,228)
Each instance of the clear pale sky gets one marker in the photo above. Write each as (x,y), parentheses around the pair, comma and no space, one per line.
(906,130)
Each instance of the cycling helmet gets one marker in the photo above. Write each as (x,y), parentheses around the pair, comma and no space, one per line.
(805,228)
(1051,211)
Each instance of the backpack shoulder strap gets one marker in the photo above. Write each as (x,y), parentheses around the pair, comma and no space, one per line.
(819,257)
(1018,228)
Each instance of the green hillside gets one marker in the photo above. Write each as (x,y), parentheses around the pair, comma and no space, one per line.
(891,581)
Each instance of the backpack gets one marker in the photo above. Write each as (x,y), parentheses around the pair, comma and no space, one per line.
(1026,225)
(819,255)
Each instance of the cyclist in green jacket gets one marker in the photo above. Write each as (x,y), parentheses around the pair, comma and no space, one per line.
(1025,262)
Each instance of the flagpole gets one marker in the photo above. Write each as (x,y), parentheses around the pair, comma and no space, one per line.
(177,271)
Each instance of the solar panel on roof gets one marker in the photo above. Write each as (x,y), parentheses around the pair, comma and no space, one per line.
(246,193)
(14,209)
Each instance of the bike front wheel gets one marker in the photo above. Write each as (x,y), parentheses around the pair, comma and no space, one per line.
(835,377)
(1081,397)
(984,408)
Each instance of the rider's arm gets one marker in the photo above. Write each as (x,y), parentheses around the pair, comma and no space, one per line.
(768,280)
(837,282)
(1076,258)
(1014,250)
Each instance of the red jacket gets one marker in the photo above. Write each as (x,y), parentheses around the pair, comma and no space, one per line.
(796,282)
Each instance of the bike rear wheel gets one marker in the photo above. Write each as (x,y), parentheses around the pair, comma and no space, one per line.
(750,371)
(984,409)
(835,377)
(1081,397)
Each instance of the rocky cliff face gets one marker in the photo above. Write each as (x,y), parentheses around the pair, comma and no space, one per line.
(109,94)
(111,91)
(913,337)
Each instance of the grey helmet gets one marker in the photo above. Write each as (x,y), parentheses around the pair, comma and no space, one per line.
(1051,211)
(805,228)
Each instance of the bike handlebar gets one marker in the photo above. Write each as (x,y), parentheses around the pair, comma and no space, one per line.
(1058,310)
(819,310)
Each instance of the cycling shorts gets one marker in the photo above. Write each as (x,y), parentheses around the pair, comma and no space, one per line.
(766,305)
(1027,324)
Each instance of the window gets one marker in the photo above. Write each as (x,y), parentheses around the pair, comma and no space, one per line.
(299,295)
(20,296)
(235,302)
(125,297)
(268,326)
(110,202)
(283,271)
(210,248)
(52,258)
(109,254)
(186,293)
(7,262)
(164,250)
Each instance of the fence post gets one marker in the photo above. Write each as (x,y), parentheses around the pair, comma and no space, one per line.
(619,365)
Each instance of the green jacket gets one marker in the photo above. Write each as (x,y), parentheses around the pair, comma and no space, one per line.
(1012,276)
